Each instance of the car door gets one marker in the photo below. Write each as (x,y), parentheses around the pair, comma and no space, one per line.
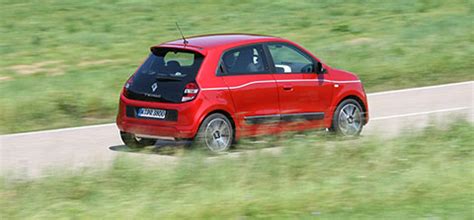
(304,95)
(246,72)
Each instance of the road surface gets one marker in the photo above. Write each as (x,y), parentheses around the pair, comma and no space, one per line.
(31,154)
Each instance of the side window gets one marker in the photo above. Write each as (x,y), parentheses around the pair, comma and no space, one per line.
(288,59)
(244,60)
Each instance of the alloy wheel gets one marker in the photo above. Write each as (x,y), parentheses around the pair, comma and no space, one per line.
(350,120)
(217,135)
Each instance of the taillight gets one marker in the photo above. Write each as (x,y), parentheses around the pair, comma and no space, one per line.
(127,85)
(125,92)
(190,92)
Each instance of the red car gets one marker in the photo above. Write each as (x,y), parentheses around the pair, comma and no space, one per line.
(215,89)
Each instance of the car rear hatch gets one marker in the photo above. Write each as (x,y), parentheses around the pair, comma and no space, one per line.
(167,75)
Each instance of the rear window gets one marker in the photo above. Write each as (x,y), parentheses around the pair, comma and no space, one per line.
(183,58)
(171,63)
(164,74)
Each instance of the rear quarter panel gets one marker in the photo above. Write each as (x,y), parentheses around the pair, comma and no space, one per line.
(214,92)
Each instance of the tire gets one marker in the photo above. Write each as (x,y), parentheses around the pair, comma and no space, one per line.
(135,142)
(348,119)
(215,133)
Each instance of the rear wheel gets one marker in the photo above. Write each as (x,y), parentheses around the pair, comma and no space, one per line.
(133,141)
(215,133)
(348,119)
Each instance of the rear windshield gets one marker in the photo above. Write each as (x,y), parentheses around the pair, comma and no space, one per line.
(165,73)
(173,64)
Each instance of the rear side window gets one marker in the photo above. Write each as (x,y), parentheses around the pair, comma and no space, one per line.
(289,59)
(244,60)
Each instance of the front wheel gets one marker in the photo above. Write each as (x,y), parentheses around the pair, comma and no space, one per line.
(215,133)
(133,141)
(348,119)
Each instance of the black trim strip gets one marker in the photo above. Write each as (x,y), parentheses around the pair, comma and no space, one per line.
(303,116)
(260,119)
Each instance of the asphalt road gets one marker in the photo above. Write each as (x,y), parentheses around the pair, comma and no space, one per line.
(35,153)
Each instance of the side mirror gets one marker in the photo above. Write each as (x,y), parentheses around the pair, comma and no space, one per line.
(320,68)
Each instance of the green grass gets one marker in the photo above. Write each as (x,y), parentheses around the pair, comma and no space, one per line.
(426,175)
(63,63)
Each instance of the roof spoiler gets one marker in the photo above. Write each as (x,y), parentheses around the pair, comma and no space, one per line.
(199,50)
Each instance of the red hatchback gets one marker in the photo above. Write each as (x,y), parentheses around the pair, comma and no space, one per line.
(216,89)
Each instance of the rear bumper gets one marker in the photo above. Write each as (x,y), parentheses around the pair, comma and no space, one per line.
(154,131)
(185,126)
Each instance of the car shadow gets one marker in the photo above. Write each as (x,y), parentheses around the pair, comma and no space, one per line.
(180,148)
(161,147)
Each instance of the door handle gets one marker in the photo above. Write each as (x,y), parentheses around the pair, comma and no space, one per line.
(287,87)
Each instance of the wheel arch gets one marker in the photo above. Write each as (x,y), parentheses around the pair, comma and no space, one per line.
(358,100)
(227,114)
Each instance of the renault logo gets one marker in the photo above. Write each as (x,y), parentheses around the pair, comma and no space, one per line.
(154,87)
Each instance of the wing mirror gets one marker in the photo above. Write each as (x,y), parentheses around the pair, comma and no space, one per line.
(320,68)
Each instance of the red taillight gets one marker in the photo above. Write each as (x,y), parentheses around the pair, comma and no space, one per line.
(127,85)
(125,92)
(190,92)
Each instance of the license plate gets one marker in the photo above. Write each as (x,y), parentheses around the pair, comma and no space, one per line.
(151,113)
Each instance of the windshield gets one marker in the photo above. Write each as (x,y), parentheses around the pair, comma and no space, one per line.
(164,74)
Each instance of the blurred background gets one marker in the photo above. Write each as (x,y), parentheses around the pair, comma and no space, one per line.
(63,63)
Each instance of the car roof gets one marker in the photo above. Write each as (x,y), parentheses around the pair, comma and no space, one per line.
(206,42)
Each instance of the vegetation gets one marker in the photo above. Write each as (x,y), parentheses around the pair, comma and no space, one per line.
(426,175)
(64,62)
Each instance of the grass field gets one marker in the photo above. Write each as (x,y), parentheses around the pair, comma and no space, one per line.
(427,175)
(63,63)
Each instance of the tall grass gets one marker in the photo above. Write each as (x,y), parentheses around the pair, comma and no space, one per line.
(63,63)
(424,175)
